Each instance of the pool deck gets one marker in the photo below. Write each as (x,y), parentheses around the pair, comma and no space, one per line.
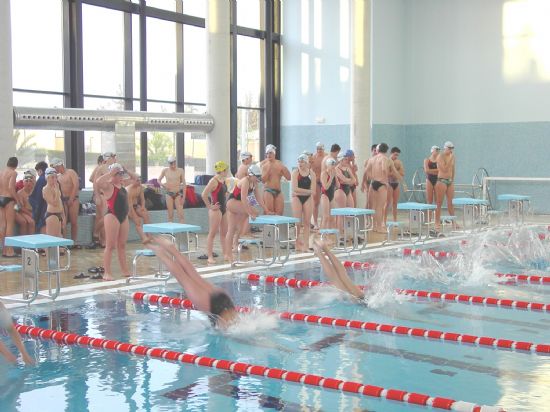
(83,259)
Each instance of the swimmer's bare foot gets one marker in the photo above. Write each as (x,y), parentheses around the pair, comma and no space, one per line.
(108,278)
(228,259)
(211,261)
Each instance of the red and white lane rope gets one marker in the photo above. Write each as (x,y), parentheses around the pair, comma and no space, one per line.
(437,335)
(435,253)
(521,278)
(241,368)
(513,277)
(432,295)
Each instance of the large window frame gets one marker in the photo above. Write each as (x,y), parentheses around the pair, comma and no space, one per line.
(73,91)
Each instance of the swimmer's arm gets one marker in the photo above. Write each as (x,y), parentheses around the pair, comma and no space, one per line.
(286,172)
(162,175)
(16,338)
(183,186)
(266,170)
(5,352)
(394,172)
(11,187)
(92,176)
(74,180)
(294,185)
(260,199)
(206,192)
(401,169)
(102,181)
(313,186)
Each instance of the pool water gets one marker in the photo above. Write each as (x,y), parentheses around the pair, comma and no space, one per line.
(73,378)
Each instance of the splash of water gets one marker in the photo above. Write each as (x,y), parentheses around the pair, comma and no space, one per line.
(253,323)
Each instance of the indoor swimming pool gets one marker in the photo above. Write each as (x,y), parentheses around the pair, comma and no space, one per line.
(509,373)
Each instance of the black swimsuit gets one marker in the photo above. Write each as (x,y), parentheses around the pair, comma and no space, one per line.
(117,204)
(304,182)
(330,191)
(236,193)
(432,178)
(5,200)
(59,215)
(345,187)
(376,185)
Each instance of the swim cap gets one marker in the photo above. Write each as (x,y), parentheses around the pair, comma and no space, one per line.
(270,149)
(449,145)
(307,153)
(254,170)
(57,162)
(331,161)
(220,166)
(114,166)
(303,158)
(50,171)
(320,145)
(171,159)
(349,153)
(435,148)
(108,155)
(245,155)
(31,172)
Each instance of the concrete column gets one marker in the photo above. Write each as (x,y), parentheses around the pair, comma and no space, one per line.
(218,58)
(360,83)
(7,141)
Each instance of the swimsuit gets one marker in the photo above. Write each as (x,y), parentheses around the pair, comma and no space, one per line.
(432,178)
(117,204)
(5,200)
(236,194)
(394,185)
(330,191)
(345,187)
(304,182)
(219,302)
(59,215)
(218,196)
(273,192)
(446,181)
(174,195)
(377,185)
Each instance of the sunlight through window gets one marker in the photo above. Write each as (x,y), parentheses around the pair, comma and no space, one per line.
(526,40)
(305,21)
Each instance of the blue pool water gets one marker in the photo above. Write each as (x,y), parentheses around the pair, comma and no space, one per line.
(72,378)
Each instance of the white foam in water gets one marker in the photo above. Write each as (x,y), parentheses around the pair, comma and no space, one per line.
(253,323)
(318,297)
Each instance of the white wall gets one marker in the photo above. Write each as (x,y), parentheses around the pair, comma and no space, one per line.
(472,61)
(388,62)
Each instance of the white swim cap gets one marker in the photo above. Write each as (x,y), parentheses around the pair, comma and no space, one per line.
(435,148)
(50,171)
(270,149)
(171,159)
(303,158)
(254,170)
(115,166)
(57,162)
(449,145)
(331,161)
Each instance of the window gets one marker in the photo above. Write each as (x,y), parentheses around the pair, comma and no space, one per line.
(250,13)
(33,146)
(194,64)
(249,71)
(103,51)
(248,131)
(37,44)
(161,60)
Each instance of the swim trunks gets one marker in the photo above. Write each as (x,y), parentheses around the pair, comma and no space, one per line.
(5,200)
(447,182)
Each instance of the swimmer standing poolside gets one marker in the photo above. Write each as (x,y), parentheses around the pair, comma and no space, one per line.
(55,214)
(6,323)
(334,270)
(430,168)
(205,296)
(316,166)
(445,182)
(8,199)
(116,218)
(175,188)
(272,172)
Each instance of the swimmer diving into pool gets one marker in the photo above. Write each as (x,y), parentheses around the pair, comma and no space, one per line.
(335,271)
(7,324)
(205,296)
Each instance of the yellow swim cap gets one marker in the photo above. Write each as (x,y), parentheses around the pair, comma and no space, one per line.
(220,166)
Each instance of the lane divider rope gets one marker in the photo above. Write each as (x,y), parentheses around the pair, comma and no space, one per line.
(64,338)
(512,277)
(424,294)
(436,335)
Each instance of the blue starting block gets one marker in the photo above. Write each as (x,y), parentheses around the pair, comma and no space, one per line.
(417,215)
(30,268)
(516,206)
(352,220)
(472,210)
